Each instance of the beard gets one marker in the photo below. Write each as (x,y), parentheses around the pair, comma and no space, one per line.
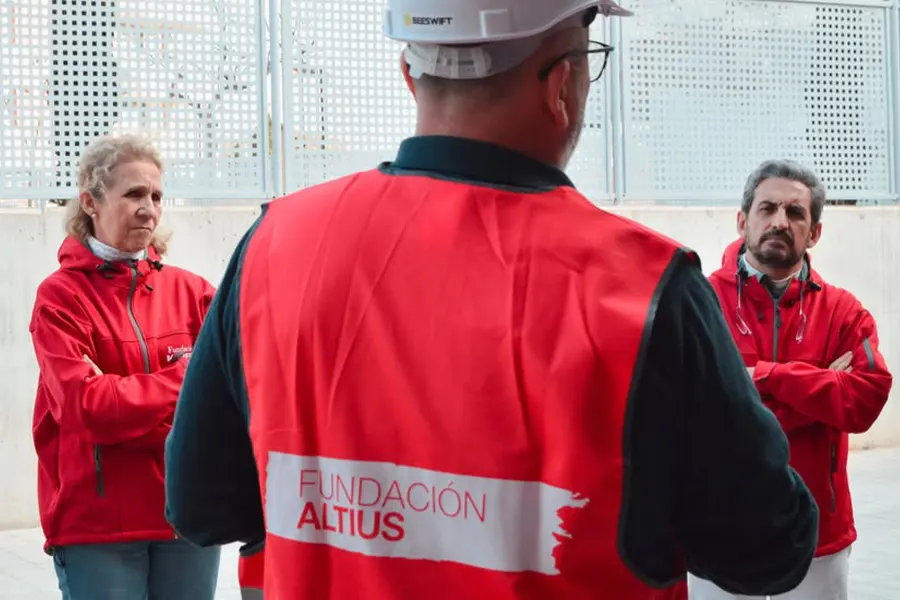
(782,257)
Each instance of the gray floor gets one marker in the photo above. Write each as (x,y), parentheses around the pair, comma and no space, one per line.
(25,572)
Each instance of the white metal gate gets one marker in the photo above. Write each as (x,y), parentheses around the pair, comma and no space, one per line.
(712,88)
(698,93)
(187,72)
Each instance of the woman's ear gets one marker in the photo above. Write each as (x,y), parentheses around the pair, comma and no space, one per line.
(88,203)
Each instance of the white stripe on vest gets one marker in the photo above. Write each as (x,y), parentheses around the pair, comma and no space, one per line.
(387,510)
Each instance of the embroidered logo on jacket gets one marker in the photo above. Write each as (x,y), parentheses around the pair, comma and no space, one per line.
(173,353)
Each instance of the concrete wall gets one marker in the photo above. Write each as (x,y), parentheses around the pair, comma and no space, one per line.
(859,251)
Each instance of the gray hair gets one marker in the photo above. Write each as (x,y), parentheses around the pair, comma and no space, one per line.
(786,169)
(98,160)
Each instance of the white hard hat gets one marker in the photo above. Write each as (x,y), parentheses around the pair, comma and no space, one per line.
(473,39)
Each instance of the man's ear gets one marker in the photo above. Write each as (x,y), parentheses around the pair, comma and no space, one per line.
(741,224)
(410,80)
(557,94)
(814,235)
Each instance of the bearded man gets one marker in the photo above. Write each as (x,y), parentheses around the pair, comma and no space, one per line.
(812,351)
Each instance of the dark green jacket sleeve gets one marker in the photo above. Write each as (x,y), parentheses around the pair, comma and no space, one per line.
(212,488)
(709,488)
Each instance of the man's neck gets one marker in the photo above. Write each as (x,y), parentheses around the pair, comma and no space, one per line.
(498,132)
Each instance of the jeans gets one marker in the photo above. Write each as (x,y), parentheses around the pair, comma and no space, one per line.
(171,570)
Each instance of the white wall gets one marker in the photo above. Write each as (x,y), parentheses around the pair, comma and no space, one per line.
(859,251)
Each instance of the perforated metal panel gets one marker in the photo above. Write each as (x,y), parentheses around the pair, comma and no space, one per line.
(707,90)
(188,73)
(346,105)
(712,88)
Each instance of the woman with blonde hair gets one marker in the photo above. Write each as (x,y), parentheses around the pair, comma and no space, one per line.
(113,329)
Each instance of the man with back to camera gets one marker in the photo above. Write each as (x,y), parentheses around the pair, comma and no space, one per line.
(455,376)
(812,351)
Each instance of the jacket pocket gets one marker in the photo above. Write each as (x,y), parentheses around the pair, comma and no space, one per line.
(98,468)
(832,472)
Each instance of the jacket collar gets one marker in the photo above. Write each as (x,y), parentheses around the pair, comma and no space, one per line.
(476,162)
(75,255)
(107,252)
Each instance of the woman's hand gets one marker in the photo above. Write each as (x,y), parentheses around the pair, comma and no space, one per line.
(96,369)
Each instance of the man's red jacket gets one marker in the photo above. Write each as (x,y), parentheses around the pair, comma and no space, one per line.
(791,342)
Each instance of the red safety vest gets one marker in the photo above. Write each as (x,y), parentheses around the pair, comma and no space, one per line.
(438,377)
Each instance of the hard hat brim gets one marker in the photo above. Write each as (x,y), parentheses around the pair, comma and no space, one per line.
(448,23)
(612,9)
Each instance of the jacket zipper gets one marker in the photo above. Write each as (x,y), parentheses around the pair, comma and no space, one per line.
(777,327)
(145,354)
(831,477)
(142,341)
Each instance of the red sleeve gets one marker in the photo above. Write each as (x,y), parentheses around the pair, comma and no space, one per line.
(110,409)
(848,402)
